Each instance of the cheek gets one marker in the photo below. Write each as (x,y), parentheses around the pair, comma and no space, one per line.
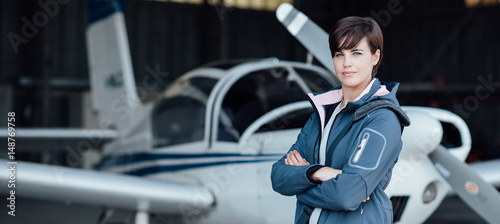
(365,62)
(337,63)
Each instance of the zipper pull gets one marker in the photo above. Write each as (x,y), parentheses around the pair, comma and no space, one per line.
(359,150)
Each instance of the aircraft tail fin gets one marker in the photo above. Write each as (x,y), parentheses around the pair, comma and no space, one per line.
(113,90)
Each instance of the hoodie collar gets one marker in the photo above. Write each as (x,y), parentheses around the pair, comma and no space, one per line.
(319,101)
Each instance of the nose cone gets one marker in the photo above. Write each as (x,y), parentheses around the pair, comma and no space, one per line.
(422,136)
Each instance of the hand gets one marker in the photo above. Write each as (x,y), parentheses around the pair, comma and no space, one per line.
(368,198)
(295,159)
(325,173)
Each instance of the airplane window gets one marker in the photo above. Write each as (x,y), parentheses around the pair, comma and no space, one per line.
(203,84)
(178,120)
(256,94)
(180,116)
(198,87)
(313,80)
(295,119)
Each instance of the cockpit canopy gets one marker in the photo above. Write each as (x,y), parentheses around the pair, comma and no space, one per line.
(180,115)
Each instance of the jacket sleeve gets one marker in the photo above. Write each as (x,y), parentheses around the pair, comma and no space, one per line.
(377,149)
(292,180)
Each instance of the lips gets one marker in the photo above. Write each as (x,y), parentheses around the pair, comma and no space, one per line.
(348,73)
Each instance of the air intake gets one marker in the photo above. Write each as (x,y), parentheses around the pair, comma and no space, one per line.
(398,206)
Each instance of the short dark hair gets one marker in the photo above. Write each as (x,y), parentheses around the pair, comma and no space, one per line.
(353,29)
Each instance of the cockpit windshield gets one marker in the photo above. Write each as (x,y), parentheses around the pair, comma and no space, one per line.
(179,117)
(262,91)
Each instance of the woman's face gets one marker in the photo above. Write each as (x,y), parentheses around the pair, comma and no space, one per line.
(354,66)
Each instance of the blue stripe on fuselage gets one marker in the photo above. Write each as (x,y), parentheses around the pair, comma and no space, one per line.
(161,169)
(119,160)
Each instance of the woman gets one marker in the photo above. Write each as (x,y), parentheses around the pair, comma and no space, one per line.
(343,157)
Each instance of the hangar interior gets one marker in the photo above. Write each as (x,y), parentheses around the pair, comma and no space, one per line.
(444,53)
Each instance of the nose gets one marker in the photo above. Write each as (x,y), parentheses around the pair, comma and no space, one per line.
(347,61)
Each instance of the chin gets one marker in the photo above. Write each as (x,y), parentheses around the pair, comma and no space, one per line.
(350,82)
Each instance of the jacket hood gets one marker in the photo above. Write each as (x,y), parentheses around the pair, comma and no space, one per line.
(381,94)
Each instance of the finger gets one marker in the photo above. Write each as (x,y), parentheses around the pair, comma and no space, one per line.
(290,161)
(297,156)
(304,161)
(296,159)
(292,155)
(286,162)
(301,159)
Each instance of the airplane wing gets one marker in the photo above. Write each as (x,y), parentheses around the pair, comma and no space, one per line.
(55,140)
(109,190)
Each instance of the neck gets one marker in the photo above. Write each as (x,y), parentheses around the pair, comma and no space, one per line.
(351,93)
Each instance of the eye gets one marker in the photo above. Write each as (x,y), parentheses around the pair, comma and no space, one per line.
(357,53)
(339,54)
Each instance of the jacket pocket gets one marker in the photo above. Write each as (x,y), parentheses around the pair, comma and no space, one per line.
(388,215)
(384,206)
(369,149)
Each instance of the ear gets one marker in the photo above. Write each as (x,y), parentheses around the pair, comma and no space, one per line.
(376,57)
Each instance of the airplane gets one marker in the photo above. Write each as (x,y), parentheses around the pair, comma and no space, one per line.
(203,151)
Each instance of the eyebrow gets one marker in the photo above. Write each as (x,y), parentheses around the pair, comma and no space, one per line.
(355,49)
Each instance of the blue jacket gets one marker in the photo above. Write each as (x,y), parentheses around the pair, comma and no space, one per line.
(366,168)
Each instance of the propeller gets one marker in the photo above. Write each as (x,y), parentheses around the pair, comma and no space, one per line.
(313,37)
(479,195)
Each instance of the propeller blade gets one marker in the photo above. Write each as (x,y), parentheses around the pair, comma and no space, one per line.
(479,195)
(308,33)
